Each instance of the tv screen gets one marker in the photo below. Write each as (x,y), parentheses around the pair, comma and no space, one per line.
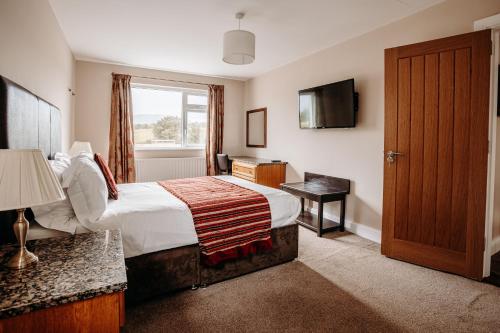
(329,106)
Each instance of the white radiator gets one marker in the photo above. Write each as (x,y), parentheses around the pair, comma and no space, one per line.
(154,169)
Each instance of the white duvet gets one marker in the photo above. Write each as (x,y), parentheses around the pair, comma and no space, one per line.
(151,219)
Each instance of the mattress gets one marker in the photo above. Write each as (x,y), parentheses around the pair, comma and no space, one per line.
(152,219)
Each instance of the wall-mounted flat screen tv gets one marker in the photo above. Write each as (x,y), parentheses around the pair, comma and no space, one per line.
(330,106)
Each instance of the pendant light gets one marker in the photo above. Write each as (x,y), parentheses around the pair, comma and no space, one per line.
(239,45)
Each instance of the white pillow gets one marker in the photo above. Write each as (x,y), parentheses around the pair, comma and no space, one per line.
(73,167)
(58,215)
(87,189)
(62,157)
(58,167)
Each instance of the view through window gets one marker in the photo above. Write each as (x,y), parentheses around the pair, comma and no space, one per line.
(169,117)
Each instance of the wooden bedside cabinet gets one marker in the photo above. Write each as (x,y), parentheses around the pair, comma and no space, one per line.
(77,286)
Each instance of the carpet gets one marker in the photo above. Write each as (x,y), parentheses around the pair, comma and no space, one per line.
(340,283)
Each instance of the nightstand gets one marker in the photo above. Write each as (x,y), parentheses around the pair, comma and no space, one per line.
(77,285)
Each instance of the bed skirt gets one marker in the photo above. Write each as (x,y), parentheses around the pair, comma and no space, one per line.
(161,272)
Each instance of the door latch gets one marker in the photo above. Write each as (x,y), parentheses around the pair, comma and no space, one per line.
(391,156)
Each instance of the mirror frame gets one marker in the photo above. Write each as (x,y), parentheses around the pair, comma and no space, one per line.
(265,127)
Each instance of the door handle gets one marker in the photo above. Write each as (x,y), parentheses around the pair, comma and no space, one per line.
(391,156)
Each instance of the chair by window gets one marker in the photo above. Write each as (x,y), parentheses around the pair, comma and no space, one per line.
(223,163)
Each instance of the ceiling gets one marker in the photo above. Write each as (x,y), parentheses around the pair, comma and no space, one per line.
(186,35)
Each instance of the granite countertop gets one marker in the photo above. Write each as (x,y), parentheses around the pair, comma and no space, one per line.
(254,160)
(69,269)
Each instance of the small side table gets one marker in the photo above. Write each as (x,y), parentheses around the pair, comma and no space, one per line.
(78,284)
(321,189)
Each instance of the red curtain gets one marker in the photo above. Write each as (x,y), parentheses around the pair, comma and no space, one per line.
(215,127)
(121,131)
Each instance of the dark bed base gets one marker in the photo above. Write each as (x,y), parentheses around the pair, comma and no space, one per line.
(165,271)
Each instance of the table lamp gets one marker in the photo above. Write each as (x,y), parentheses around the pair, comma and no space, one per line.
(26,180)
(80,146)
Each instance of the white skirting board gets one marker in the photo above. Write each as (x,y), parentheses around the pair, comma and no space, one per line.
(155,169)
(361,230)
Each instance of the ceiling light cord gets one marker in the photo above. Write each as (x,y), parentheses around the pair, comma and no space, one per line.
(239,16)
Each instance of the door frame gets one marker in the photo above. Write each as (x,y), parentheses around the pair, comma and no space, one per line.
(493,23)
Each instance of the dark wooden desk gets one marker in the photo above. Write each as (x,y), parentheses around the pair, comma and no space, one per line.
(321,189)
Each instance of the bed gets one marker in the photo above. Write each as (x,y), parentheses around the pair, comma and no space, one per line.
(160,243)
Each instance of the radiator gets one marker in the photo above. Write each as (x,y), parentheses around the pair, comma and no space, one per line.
(154,169)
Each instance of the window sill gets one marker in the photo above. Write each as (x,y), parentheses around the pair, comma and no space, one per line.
(167,148)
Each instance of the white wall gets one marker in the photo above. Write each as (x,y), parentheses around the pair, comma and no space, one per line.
(34,54)
(355,153)
(93,104)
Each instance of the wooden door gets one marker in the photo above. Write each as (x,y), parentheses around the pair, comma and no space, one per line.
(436,118)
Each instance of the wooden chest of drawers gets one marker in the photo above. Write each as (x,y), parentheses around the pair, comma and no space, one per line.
(268,174)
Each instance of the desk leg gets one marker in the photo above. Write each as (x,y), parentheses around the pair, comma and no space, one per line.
(301,206)
(342,214)
(320,218)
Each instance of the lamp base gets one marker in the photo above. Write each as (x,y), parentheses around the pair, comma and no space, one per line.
(23,258)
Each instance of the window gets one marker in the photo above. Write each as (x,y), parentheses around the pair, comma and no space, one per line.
(167,117)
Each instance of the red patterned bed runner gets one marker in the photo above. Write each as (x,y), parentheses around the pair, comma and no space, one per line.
(230,221)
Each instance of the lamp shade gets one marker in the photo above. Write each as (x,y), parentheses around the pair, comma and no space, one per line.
(239,47)
(26,179)
(80,146)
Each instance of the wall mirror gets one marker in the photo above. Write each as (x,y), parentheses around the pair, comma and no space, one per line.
(257,128)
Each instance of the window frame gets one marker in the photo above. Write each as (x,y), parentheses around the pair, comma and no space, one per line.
(186,108)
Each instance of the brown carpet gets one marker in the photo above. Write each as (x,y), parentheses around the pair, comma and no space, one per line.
(340,283)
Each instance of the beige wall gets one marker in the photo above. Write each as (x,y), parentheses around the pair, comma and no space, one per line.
(93,102)
(350,153)
(34,53)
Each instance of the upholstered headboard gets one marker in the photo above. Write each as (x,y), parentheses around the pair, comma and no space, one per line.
(28,121)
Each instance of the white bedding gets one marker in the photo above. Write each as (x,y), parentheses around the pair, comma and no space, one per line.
(151,219)
(39,232)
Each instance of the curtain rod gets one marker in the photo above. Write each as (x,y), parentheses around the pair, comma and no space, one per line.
(170,80)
